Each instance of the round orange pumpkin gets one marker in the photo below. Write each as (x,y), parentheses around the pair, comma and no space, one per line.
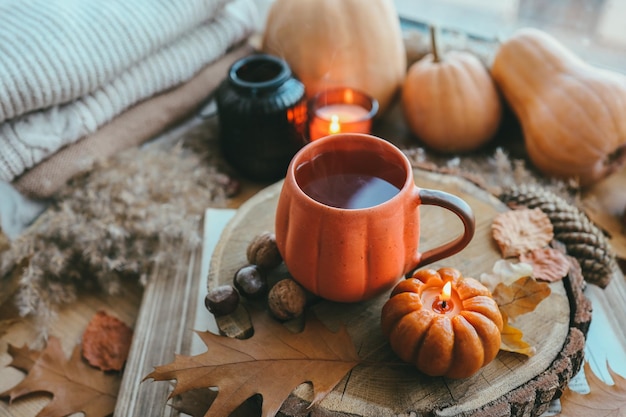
(450,101)
(455,344)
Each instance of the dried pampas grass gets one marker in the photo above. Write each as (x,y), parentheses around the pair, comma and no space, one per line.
(115,222)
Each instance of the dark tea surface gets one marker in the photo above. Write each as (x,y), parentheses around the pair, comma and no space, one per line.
(350,191)
(351,180)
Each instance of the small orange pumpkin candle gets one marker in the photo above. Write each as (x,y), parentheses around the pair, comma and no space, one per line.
(444,323)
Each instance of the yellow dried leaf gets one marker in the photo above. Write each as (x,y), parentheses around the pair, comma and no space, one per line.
(512,339)
(520,297)
(520,231)
(548,264)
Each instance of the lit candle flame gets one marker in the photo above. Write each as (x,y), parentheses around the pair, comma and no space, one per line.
(445,292)
(334,127)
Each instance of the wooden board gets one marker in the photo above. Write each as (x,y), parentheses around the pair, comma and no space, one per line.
(511,385)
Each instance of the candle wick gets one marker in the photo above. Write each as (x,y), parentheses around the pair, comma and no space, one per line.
(443,304)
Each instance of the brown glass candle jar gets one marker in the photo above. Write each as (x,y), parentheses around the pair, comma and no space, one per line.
(263,116)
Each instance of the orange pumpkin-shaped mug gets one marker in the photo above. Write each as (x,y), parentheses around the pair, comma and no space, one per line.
(347,221)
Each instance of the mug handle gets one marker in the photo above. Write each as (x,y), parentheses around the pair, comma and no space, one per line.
(458,207)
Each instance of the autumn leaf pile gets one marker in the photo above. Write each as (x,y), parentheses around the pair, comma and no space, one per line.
(77,384)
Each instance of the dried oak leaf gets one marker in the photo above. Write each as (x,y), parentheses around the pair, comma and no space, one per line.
(520,297)
(106,342)
(602,399)
(197,402)
(23,357)
(272,363)
(75,386)
(548,264)
(512,339)
(520,231)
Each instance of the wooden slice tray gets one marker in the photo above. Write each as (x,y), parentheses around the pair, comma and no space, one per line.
(511,385)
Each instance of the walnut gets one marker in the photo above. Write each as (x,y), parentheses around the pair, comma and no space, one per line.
(263,251)
(286,300)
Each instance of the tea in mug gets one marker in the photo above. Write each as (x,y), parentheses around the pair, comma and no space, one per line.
(350,180)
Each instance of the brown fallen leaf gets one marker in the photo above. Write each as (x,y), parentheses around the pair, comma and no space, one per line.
(23,357)
(520,297)
(272,363)
(602,399)
(196,403)
(548,264)
(75,386)
(512,339)
(106,342)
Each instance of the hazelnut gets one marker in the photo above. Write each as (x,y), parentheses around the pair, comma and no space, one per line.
(250,281)
(286,300)
(222,300)
(262,251)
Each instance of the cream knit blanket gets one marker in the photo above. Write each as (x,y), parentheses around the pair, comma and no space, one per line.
(68,67)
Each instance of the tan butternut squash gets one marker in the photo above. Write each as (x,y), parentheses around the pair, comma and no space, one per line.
(573,115)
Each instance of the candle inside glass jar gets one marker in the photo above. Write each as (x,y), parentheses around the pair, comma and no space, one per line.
(341,110)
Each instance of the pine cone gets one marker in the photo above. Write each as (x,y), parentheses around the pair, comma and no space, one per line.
(583,240)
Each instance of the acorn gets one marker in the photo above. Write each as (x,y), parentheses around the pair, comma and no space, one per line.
(222,300)
(251,281)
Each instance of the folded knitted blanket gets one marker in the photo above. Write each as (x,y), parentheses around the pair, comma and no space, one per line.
(67,68)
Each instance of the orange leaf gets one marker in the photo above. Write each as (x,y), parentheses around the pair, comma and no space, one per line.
(520,297)
(272,363)
(106,342)
(602,400)
(511,338)
(74,385)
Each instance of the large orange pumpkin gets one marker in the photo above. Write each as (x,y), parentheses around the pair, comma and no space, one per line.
(455,344)
(332,43)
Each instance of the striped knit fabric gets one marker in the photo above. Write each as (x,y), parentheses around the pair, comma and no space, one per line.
(68,67)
